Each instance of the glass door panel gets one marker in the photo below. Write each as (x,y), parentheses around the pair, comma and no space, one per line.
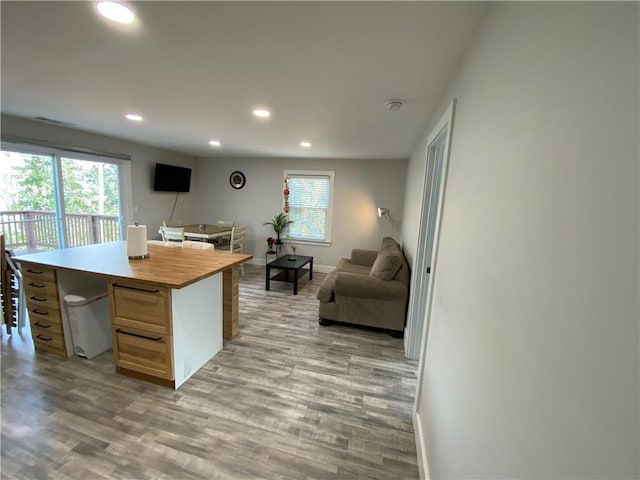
(91,198)
(28,217)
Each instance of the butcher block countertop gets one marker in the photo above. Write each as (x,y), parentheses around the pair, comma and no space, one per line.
(166,266)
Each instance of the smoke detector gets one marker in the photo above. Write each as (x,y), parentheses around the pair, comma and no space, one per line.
(394,104)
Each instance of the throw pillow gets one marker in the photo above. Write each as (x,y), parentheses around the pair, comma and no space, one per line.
(386,266)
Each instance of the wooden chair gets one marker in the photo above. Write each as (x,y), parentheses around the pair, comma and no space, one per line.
(172,234)
(12,294)
(197,245)
(236,243)
(225,238)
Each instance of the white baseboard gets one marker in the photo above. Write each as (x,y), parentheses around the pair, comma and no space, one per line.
(316,268)
(421,449)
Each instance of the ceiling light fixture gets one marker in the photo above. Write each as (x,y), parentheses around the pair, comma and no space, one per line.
(214,143)
(134,117)
(305,144)
(262,113)
(394,104)
(116,11)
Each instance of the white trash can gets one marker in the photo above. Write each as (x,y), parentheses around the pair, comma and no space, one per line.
(89,321)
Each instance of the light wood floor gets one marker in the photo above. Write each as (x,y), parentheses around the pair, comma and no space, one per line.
(286,399)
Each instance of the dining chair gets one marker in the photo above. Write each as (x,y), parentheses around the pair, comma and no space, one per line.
(169,234)
(236,244)
(225,238)
(163,243)
(197,245)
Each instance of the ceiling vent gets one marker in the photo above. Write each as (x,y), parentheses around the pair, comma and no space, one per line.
(52,121)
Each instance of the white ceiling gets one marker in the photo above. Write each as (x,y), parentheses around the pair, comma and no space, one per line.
(196,70)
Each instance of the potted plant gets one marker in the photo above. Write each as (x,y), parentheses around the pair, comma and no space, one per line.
(279,224)
(270,242)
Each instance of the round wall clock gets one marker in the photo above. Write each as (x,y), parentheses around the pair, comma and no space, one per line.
(237,180)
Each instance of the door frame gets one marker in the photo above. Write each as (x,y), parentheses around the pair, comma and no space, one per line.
(422,319)
(418,311)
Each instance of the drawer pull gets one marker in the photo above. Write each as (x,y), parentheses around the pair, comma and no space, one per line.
(42,326)
(44,338)
(136,288)
(35,271)
(37,285)
(155,339)
(38,299)
(35,310)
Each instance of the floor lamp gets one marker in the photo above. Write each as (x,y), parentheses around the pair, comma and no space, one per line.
(385,211)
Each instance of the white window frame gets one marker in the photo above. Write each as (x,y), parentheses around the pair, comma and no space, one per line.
(124,169)
(315,173)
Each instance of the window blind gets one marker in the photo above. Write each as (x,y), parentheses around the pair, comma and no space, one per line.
(309,203)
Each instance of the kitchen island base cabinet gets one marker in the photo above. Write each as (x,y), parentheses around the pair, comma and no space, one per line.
(165,335)
(166,310)
(45,313)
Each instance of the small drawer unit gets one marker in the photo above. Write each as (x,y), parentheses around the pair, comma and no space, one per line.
(43,306)
(141,329)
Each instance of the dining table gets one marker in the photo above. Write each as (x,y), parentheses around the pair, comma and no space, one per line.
(206,232)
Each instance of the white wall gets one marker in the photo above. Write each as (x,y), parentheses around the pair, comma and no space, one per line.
(359,187)
(531,367)
(149,207)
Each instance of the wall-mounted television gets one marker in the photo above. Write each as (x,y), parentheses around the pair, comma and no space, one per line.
(169,178)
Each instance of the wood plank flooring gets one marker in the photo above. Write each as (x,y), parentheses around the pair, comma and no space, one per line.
(285,399)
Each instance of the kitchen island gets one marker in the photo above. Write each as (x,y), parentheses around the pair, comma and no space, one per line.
(169,312)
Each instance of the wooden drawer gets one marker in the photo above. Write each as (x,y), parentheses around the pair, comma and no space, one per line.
(43,314)
(50,338)
(46,324)
(40,286)
(141,306)
(143,351)
(39,273)
(38,298)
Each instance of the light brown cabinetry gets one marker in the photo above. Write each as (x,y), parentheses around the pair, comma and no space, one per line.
(169,312)
(43,304)
(141,328)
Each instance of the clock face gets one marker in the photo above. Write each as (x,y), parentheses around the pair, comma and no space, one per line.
(237,180)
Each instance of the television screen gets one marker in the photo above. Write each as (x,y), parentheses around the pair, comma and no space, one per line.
(169,178)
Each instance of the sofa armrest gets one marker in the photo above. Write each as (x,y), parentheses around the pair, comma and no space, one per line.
(363,257)
(367,286)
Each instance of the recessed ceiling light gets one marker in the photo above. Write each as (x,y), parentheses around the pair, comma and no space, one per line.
(134,117)
(305,144)
(261,112)
(118,12)
(214,143)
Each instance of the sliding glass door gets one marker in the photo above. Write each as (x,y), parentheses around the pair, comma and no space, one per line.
(55,200)
(91,202)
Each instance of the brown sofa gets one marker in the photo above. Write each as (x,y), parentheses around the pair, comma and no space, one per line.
(371,288)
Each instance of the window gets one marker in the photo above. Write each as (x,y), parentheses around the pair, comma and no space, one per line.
(52,199)
(310,198)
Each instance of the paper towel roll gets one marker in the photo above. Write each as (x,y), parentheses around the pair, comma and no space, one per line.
(137,242)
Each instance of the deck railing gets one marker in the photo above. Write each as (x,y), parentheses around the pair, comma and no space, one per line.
(34,230)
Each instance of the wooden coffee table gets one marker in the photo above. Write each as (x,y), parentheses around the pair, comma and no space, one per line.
(291,270)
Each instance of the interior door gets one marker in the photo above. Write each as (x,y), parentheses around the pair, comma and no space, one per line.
(432,198)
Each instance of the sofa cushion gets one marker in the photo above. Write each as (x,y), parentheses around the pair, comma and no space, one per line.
(388,242)
(387,264)
(346,265)
(325,292)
